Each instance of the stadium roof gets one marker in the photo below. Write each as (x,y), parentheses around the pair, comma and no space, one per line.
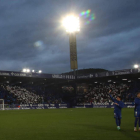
(129,75)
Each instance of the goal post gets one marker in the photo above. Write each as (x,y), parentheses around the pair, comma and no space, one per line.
(1,104)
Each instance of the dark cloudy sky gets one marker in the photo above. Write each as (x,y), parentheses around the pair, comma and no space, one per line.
(31,34)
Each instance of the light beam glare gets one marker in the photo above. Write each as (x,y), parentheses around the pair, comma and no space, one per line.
(89,15)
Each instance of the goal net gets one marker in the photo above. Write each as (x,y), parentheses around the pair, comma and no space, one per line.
(1,104)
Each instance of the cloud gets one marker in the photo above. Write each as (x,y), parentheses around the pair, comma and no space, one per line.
(111,41)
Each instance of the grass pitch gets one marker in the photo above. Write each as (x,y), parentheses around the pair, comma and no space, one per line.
(66,124)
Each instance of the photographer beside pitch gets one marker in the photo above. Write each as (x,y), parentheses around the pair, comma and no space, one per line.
(137,112)
(118,105)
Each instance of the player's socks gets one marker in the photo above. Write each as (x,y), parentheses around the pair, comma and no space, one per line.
(117,122)
(136,121)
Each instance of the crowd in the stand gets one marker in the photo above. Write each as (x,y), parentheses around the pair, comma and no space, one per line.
(22,95)
(28,95)
(99,93)
(67,89)
(50,95)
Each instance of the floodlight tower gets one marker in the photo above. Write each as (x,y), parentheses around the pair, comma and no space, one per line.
(72,26)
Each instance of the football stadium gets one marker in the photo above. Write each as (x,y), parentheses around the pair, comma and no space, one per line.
(36,106)
(69,70)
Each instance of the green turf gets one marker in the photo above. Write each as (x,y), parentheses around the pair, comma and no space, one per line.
(66,124)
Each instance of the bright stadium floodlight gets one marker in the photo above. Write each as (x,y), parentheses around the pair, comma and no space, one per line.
(33,70)
(136,66)
(24,70)
(40,71)
(28,70)
(71,24)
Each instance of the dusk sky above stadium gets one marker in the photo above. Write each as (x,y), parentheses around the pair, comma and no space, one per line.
(32,36)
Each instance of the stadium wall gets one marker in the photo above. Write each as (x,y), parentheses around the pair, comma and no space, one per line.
(59,106)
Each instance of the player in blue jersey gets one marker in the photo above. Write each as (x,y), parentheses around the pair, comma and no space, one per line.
(118,105)
(137,112)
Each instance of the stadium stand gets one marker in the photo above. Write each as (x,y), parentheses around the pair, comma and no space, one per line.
(99,93)
(96,93)
(29,90)
(28,95)
(18,95)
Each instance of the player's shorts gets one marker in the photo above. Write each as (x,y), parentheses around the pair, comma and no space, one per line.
(137,114)
(117,115)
